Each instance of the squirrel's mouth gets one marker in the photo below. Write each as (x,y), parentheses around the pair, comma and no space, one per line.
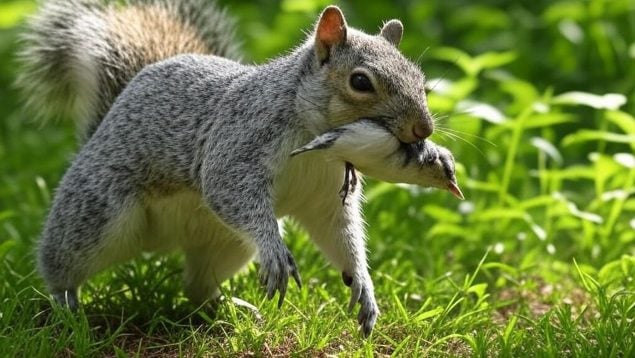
(405,135)
(412,138)
(412,135)
(419,132)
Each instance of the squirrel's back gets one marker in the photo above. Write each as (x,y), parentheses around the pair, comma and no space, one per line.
(78,55)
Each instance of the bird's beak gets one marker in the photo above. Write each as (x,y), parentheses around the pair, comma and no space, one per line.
(454,189)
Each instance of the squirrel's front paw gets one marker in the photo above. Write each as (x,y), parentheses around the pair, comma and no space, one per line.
(275,267)
(362,291)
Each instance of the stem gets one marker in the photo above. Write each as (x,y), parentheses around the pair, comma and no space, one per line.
(602,126)
(542,166)
(511,153)
(618,204)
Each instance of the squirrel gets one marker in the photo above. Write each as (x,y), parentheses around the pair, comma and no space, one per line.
(184,147)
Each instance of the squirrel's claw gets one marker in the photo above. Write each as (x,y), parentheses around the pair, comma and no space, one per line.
(363,294)
(356,293)
(368,313)
(275,272)
(283,292)
(367,320)
(296,278)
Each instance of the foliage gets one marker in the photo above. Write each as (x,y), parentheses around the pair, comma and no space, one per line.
(534,98)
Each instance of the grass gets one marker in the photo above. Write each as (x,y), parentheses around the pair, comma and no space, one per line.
(538,261)
(453,281)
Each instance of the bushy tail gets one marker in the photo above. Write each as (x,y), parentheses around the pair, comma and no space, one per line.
(78,55)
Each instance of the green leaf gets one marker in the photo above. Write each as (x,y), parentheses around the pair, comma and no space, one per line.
(563,10)
(473,65)
(457,90)
(540,120)
(402,310)
(587,135)
(486,186)
(616,269)
(608,101)
(494,59)
(440,103)
(428,314)
(625,159)
(540,233)
(400,347)
(625,121)
(498,213)
(524,92)
(628,265)
(442,214)
(478,289)
(536,120)
(501,266)
(605,168)
(549,149)
(584,215)
(572,173)
(464,61)
(509,329)
(481,110)
(449,230)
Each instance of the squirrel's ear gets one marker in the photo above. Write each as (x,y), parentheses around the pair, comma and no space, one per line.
(330,31)
(392,31)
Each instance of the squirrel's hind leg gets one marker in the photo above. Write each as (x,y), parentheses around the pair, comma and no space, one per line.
(90,227)
(68,298)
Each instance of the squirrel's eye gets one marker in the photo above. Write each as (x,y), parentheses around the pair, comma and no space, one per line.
(361,82)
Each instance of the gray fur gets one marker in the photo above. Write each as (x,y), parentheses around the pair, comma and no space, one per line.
(392,31)
(195,154)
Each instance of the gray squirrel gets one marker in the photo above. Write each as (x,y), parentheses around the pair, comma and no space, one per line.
(185,148)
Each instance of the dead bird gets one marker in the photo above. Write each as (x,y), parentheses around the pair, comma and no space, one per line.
(371,148)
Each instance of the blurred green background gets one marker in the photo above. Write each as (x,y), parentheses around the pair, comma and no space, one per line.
(534,98)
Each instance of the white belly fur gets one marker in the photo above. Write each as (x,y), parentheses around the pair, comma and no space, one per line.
(178,220)
(164,223)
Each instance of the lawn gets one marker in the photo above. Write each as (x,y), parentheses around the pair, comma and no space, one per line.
(536,101)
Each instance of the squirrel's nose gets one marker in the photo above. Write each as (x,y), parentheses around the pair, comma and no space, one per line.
(422,129)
